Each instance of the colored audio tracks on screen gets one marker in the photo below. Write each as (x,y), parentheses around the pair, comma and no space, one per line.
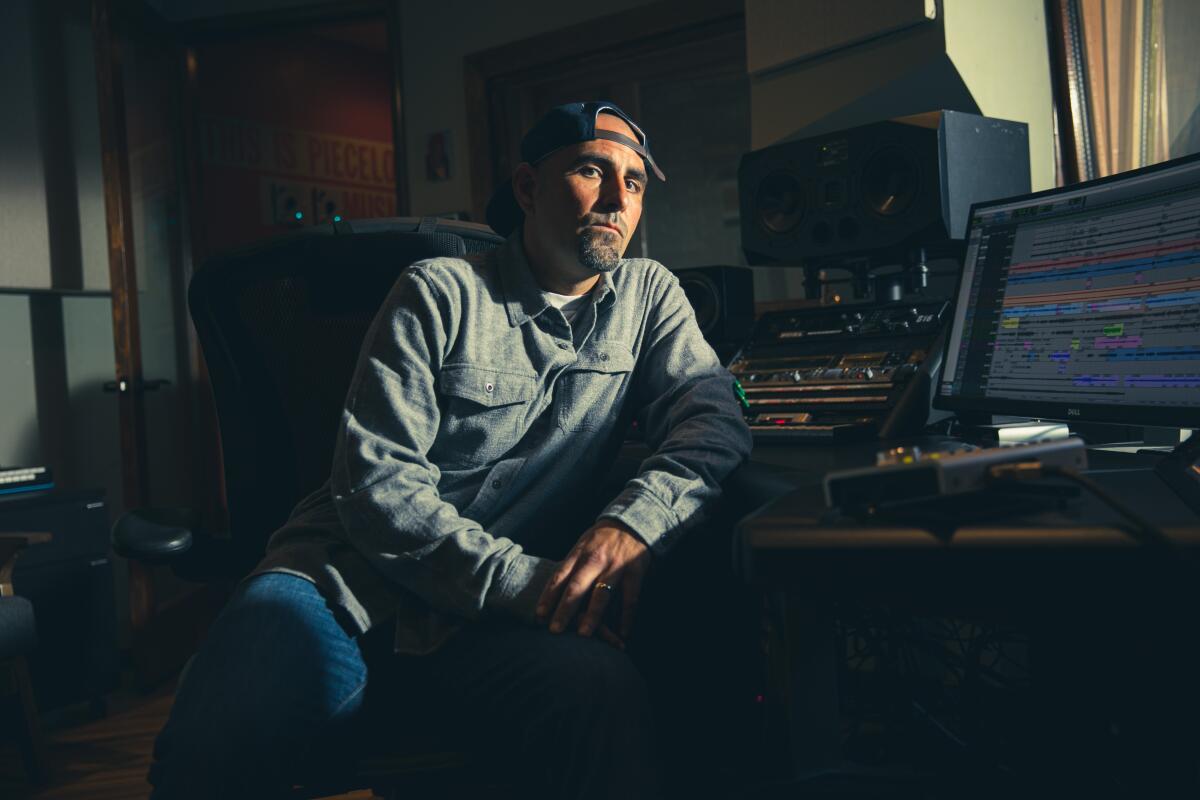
(1091,304)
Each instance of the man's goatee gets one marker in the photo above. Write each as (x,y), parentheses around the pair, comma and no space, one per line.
(597,253)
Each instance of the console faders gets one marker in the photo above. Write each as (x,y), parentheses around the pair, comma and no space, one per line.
(835,371)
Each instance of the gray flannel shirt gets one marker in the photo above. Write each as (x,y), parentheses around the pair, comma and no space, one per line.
(477,413)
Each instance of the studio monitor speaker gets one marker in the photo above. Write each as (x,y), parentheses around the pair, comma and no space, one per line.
(878,189)
(723,299)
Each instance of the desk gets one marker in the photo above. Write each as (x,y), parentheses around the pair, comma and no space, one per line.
(1070,567)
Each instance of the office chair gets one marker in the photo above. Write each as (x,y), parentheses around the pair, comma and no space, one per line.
(281,325)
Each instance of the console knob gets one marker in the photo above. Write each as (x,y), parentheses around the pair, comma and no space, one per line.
(870,373)
(797,376)
(897,455)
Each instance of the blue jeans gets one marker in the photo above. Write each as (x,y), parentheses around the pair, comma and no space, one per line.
(275,671)
(278,695)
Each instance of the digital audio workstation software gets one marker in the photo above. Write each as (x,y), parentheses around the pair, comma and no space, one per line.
(1083,302)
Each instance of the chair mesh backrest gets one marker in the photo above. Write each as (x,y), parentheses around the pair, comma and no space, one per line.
(281,326)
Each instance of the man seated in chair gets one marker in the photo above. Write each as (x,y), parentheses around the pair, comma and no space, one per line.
(463,581)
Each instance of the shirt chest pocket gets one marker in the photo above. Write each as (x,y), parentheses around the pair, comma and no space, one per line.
(483,413)
(591,389)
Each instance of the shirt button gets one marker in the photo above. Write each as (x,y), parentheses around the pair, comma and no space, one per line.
(496,484)
(564,346)
(487,387)
(604,356)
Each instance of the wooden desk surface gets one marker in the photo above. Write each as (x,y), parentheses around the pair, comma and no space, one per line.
(799,519)
(794,541)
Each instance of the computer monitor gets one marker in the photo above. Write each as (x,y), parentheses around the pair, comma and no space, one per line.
(1083,303)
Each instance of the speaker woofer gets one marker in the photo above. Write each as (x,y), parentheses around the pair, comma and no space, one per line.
(723,300)
(878,190)
(705,299)
(890,182)
(780,203)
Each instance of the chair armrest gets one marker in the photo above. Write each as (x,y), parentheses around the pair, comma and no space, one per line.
(174,537)
(154,535)
(11,544)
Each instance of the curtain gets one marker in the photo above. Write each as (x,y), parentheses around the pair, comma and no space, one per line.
(1133,74)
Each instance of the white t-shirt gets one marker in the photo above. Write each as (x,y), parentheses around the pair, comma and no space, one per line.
(568,304)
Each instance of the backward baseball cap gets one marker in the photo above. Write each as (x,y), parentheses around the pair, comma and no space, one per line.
(561,127)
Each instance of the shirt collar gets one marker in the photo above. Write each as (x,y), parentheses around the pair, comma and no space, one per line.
(523,297)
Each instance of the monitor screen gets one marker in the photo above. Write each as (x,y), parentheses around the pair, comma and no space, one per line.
(1083,303)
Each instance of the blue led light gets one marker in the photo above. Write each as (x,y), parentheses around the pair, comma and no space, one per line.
(337,217)
(299,215)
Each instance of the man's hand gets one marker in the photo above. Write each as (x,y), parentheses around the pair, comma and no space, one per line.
(608,557)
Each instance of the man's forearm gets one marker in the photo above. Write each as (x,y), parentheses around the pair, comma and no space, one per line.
(685,473)
(422,544)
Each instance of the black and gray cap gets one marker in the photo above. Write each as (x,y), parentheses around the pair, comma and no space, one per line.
(563,126)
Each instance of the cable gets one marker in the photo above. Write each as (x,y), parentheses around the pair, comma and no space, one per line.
(1143,530)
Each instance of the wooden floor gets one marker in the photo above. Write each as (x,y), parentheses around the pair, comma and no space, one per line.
(105,759)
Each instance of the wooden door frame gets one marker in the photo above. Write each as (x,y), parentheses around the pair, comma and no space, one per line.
(162,636)
(627,34)
(122,275)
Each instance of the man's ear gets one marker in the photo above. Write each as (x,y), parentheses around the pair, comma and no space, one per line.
(524,183)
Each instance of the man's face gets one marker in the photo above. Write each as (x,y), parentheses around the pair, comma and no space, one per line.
(584,202)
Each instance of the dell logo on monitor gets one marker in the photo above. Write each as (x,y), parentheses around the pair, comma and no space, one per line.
(1072,412)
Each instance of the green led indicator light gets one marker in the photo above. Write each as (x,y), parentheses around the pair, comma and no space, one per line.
(337,217)
(740,394)
(299,215)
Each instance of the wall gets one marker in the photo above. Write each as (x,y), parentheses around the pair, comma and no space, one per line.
(51,231)
(24,242)
(24,238)
(18,401)
(1002,52)
(56,349)
(79,61)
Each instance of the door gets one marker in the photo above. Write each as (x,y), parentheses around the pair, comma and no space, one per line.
(309,140)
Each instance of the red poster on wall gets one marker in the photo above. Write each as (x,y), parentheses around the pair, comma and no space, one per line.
(294,129)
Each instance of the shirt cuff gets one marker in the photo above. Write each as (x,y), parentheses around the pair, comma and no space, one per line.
(650,518)
(516,592)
